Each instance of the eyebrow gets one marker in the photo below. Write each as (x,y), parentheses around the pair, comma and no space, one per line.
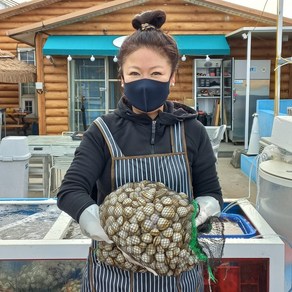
(151,68)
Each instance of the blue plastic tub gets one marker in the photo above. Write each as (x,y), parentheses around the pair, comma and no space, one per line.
(236,226)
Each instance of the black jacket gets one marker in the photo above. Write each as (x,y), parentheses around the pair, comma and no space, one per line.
(90,170)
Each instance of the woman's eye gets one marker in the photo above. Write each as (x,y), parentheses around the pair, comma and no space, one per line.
(156,73)
(134,74)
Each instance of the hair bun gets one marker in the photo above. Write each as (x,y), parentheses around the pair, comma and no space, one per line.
(154,18)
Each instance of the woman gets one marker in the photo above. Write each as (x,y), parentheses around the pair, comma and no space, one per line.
(145,127)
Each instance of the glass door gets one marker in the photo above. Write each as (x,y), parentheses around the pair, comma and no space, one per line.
(89,92)
(94,90)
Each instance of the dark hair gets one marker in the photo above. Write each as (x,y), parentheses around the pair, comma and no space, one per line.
(150,35)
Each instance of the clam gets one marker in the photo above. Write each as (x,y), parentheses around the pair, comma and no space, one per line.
(151,249)
(122,197)
(133,228)
(146,258)
(158,207)
(169,254)
(176,237)
(160,257)
(141,201)
(123,234)
(156,240)
(177,227)
(120,220)
(182,211)
(134,240)
(113,200)
(167,232)
(126,226)
(140,216)
(147,237)
(111,210)
(154,232)
(127,202)
(148,194)
(137,250)
(164,243)
(154,218)
(166,201)
(120,258)
(163,223)
(168,212)
(128,212)
(118,210)
(147,225)
(148,209)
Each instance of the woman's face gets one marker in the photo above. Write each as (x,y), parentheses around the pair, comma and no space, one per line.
(145,63)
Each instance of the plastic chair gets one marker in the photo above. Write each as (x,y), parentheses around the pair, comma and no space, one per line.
(59,166)
(216,139)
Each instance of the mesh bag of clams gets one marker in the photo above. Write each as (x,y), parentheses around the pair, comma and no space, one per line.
(151,229)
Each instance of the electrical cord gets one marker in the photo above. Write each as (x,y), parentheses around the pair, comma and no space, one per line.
(237,202)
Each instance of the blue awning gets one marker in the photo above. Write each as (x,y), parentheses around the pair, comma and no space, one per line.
(197,45)
(83,45)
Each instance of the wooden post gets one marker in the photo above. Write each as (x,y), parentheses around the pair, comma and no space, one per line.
(40,78)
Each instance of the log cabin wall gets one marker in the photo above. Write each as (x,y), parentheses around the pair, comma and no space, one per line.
(182,18)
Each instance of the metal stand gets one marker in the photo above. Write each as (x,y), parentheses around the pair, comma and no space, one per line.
(2,121)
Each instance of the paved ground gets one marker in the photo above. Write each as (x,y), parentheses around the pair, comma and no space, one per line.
(234,183)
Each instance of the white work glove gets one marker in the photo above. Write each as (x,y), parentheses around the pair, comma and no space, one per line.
(208,206)
(90,224)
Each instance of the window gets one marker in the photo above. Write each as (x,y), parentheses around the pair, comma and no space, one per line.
(27,91)
(28,105)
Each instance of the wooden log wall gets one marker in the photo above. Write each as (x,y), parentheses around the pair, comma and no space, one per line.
(182,18)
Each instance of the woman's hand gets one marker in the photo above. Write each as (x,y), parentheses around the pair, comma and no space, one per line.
(90,224)
(208,206)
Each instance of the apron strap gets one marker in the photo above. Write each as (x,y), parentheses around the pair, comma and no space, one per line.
(178,138)
(114,149)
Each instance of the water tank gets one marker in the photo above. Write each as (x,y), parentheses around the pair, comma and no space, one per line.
(274,203)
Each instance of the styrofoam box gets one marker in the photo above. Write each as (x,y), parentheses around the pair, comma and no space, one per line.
(281,132)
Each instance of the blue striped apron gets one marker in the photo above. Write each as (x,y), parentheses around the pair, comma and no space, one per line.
(171,169)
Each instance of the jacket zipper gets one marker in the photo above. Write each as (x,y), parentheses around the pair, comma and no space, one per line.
(153,132)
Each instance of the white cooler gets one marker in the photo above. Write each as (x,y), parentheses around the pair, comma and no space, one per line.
(14,167)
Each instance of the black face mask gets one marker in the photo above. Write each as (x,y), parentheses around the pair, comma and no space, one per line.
(147,95)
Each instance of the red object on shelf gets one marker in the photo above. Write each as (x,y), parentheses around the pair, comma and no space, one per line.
(240,275)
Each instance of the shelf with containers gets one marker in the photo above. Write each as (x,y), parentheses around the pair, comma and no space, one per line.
(227,92)
(208,89)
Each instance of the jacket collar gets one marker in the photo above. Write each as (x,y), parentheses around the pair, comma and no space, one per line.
(173,112)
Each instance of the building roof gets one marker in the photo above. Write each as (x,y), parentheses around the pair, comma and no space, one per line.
(7,3)
(14,71)
(26,33)
(25,7)
(267,32)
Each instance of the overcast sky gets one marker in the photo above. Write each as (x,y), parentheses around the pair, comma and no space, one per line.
(270,7)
